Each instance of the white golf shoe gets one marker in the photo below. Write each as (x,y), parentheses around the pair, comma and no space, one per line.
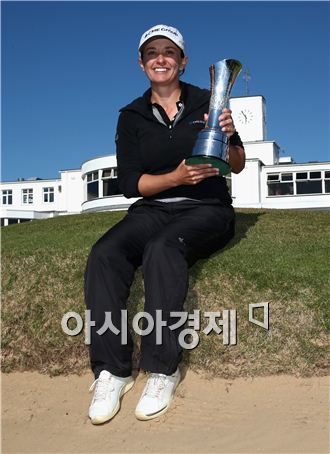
(106,400)
(157,395)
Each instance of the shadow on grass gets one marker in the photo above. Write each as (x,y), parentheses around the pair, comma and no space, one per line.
(244,222)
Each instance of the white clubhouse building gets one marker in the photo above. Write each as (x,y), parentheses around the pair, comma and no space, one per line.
(267,181)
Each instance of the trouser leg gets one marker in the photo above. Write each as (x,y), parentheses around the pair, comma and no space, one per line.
(165,271)
(193,233)
(108,277)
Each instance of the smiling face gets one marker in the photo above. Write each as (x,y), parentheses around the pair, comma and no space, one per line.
(162,61)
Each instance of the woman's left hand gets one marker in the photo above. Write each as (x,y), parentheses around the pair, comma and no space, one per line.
(226,122)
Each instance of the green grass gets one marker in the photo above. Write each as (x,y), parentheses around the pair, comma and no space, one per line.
(280,257)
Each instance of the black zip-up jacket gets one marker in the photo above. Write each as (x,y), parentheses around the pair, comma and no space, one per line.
(145,145)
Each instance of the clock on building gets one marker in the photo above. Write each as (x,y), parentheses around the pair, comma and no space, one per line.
(249,114)
(245,116)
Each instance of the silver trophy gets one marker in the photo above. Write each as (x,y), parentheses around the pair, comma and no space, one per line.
(212,145)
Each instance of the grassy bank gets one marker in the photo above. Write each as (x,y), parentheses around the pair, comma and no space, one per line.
(279,257)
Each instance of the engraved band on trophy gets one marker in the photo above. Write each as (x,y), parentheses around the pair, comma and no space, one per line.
(212,145)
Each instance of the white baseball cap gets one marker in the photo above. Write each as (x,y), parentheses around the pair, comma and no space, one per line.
(165,31)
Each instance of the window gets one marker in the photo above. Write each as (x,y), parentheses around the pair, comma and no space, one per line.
(27,196)
(7,197)
(48,195)
(308,183)
(273,177)
(286,177)
(301,176)
(280,184)
(110,182)
(299,183)
(92,185)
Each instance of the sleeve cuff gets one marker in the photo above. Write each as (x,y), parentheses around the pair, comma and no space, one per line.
(235,140)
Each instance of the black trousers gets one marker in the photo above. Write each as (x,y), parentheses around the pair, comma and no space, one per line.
(166,239)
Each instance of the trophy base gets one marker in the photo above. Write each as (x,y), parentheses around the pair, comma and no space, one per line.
(220,164)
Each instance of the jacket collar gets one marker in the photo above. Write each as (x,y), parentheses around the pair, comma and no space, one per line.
(192,96)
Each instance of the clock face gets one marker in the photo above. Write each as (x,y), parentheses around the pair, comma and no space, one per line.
(245,116)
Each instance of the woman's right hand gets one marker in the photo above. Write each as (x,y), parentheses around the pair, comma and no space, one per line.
(193,174)
(149,185)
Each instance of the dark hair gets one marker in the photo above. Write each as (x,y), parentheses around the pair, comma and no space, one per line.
(181,52)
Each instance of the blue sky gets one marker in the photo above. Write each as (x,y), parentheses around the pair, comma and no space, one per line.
(67,68)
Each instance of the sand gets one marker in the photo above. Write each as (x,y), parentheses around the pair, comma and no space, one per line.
(280,414)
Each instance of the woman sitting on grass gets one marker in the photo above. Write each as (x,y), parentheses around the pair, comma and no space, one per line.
(184,214)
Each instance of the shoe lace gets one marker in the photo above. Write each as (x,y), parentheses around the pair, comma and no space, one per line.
(155,384)
(102,387)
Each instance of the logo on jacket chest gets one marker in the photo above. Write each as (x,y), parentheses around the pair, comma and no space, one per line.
(197,123)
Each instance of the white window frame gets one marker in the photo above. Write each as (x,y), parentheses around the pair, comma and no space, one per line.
(7,196)
(326,178)
(278,179)
(113,175)
(92,177)
(27,196)
(309,179)
(48,194)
